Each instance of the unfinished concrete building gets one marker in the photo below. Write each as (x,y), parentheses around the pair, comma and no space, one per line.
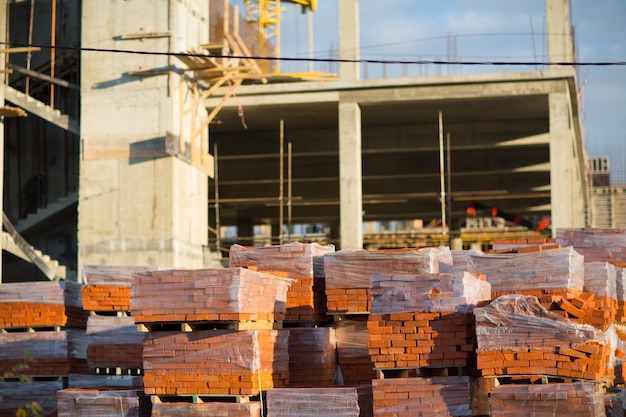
(115,157)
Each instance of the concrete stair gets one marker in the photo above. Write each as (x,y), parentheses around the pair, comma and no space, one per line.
(40,109)
(43,213)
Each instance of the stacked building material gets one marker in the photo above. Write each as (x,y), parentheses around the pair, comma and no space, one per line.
(306,298)
(620,294)
(218,362)
(435,396)
(595,244)
(424,320)
(550,272)
(221,409)
(462,260)
(354,362)
(516,335)
(41,304)
(346,401)
(101,402)
(576,399)
(312,356)
(619,343)
(113,342)
(201,295)
(108,287)
(523,245)
(16,396)
(348,272)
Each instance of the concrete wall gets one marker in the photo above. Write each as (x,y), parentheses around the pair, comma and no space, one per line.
(138,205)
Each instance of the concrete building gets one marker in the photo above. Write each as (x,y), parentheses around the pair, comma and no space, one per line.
(144,159)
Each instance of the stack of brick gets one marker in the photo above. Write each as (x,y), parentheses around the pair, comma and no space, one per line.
(218,357)
(424,320)
(306,298)
(113,342)
(516,335)
(15,396)
(523,245)
(596,244)
(101,402)
(551,272)
(348,272)
(41,304)
(355,365)
(347,401)
(219,409)
(312,356)
(434,396)
(462,259)
(576,399)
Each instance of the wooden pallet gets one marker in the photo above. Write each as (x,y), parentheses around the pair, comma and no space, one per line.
(210,325)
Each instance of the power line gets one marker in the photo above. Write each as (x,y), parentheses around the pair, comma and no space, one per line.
(327,60)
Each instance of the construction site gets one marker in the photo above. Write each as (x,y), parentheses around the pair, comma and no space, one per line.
(191,229)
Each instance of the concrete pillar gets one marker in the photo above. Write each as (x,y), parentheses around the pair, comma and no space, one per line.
(3,31)
(567,198)
(349,39)
(560,45)
(350,176)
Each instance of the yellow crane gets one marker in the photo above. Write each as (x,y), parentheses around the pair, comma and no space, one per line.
(266,14)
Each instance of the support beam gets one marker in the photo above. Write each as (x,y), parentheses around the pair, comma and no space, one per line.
(349,39)
(350,176)
(560,45)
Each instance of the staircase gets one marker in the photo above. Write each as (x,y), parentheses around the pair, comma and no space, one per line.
(43,213)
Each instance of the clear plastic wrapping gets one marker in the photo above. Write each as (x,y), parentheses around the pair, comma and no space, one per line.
(186,293)
(614,402)
(312,356)
(349,401)
(620,288)
(517,322)
(352,268)
(45,292)
(209,409)
(74,402)
(560,269)
(458,291)
(352,338)
(462,259)
(595,244)
(14,395)
(297,258)
(576,399)
(600,279)
(118,275)
(111,330)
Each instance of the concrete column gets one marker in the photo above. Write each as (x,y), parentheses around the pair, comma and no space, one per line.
(350,176)
(349,39)
(567,198)
(560,46)
(3,31)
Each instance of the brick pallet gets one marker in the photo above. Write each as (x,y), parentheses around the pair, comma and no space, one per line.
(221,409)
(306,298)
(427,397)
(222,294)
(15,395)
(353,357)
(312,356)
(215,362)
(348,272)
(347,401)
(516,335)
(577,399)
(550,272)
(101,402)
(595,244)
(114,342)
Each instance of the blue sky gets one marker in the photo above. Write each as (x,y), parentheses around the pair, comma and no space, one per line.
(481,30)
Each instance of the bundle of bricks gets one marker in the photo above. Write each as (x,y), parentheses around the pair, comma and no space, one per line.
(347,401)
(462,259)
(551,272)
(44,353)
(523,245)
(354,362)
(312,356)
(108,287)
(41,304)
(114,342)
(221,409)
(306,298)
(348,272)
(101,402)
(596,244)
(221,294)
(434,396)
(517,336)
(424,320)
(218,362)
(17,396)
(576,399)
